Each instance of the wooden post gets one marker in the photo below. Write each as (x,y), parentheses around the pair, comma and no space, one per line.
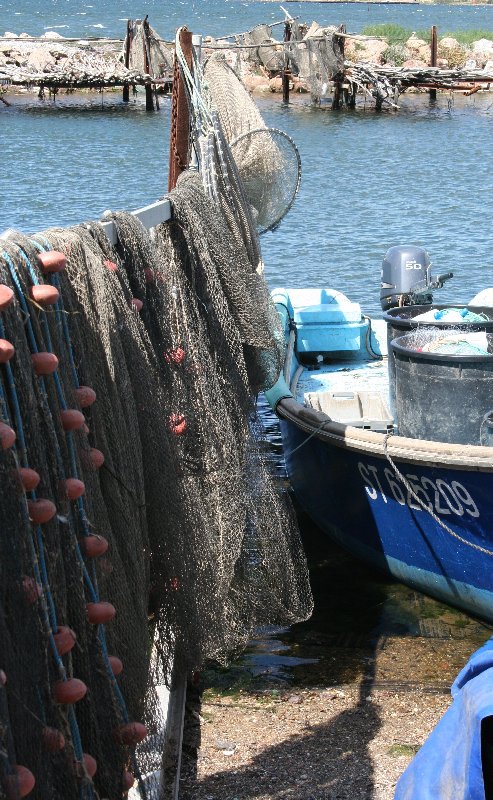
(127,48)
(339,77)
(147,66)
(286,73)
(433,59)
(180,116)
(171,763)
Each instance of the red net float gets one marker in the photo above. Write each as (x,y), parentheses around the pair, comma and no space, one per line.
(3,679)
(72,419)
(136,304)
(149,275)
(19,784)
(6,296)
(93,458)
(90,764)
(85,396)
(176,356)
(52,261)
(110,265)
(93,546)
(53,740)
(116,665)
(44,363)
(69,691)
(7,436)
(85,429)
(100,613)
(7,350)
(44,294)
(177,424)
(28,478)
(41,511)
(131,733)
(31,589)
(65,639)
(128,781)
(72,488)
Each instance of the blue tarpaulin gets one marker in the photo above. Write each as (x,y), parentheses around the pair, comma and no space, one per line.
(449,766)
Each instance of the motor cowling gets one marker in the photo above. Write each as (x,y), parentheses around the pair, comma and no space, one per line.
(406,277)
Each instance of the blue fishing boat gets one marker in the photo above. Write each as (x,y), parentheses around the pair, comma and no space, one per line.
(387,428)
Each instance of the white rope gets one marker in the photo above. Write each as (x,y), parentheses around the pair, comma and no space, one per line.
(425,507)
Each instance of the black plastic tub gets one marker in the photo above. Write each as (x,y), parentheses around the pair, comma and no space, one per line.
(402,320)
(443,397)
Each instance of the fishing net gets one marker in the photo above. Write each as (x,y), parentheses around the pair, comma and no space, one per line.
(267,160)
(317,58)
(195,542)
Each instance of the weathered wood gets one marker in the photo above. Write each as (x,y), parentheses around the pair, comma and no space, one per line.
(150,216)
(433,56)
(286,73)
(172,751)
(127,49)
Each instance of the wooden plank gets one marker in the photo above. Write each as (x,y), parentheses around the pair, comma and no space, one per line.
(150,216)
(172,751)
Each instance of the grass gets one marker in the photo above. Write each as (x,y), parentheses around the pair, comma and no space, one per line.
(397,34)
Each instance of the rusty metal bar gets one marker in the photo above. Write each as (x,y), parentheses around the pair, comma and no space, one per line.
(180,116)
(147,65)
(433,58)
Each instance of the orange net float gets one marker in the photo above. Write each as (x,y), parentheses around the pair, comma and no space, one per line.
(130,734)
(93,546)
(90,764)
(28,478)
(85,396)
(116,665)
(53,740)
(68,692)
(72,488)
(7,436)
(41,511)
(100,613)
(6,296)
(44,294)
(128,781)
(31,589)
(7,350)
(93,458)
(72,419)
(177,424)
(136,304)
(44,363)
(65,639)
(19,784)
(176,356)
(52,261)
(110,265)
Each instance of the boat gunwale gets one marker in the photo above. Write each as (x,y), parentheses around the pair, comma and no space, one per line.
(414,451)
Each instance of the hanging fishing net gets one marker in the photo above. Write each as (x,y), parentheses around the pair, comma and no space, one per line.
(267,160)
(317,58)
(156,537)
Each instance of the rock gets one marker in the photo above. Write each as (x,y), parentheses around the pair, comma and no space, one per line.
(450,49)
(256,83)
(488,68)
(414,63)
(40,60)
(483,52)
(470,64)
(449,43)
(24,36)
(228,747)
(295,699)
(10,35)
(275,84)
(370,50)
(442,63)
(52,35)
(419,49)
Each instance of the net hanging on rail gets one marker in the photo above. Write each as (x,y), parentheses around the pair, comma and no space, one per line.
(200,539)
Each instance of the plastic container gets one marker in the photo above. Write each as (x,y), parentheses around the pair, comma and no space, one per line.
(443,397)
(403,320)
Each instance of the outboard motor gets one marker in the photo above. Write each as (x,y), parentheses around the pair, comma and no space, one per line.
(406,277)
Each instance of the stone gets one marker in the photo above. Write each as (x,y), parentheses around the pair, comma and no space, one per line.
(275,84)
(449,43)
(40,60)
(371,50)
(414,63)
(255,83)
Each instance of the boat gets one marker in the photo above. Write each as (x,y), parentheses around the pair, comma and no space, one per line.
(387,441)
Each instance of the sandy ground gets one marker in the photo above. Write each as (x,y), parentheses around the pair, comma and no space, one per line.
(350,741)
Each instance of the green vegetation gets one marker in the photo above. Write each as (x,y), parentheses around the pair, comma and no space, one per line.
(403,750)
(397,34)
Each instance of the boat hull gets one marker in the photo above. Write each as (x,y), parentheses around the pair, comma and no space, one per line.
(444,550)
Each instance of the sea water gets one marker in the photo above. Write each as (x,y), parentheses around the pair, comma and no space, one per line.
(421,175)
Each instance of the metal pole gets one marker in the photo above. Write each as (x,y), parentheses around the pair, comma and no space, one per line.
(433,59)
(286,73)
(128,45)
(180,116)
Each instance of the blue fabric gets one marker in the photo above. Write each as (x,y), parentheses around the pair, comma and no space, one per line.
(448,766)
